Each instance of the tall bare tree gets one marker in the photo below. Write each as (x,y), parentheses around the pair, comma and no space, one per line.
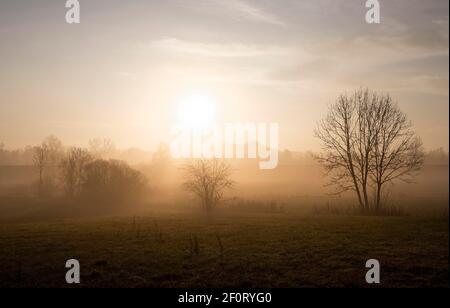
(367,142)
(337,133)
(208,179)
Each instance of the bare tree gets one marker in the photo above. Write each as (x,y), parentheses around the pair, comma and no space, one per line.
(397,153)
(102,148)
(40,159)
(367,141)
(72,169)
(55,150)
(208,179)
(338,135)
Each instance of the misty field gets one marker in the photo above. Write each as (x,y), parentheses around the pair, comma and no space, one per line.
(239,250)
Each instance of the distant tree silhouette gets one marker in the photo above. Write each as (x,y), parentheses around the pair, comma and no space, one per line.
(367,142)
(112,181)
(73,168)
(162,156)
(55,150)
(437,157)
(207,179)
(102,148)
(40,160)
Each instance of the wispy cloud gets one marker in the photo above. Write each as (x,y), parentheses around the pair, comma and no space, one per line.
(230,50)
(252,12)
(236,9)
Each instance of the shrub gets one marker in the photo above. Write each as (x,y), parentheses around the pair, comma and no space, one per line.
(112,181)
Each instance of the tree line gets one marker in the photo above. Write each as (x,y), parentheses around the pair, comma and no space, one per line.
(83,173)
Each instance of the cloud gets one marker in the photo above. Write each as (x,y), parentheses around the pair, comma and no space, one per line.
(229,50)
(236,9)
(390,61)
(437,85)
(252,12)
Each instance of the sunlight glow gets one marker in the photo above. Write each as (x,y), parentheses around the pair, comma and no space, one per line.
(197,112)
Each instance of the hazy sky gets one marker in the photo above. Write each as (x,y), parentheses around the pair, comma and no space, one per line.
(121,72)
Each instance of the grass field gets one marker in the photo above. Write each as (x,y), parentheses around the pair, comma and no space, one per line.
(258,250)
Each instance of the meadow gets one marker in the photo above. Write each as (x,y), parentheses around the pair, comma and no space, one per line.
(232,250)
(224,144)
(276,229)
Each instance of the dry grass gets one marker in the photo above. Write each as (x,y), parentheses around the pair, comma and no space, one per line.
(254,250)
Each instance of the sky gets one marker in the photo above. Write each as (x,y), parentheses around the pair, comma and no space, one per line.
(122,72)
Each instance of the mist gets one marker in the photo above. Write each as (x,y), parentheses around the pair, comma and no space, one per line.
(297,185)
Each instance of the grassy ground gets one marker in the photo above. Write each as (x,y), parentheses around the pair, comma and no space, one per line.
(257,251)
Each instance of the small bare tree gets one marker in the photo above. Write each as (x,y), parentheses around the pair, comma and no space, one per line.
(55,150)
(102,148)
(208,179)
(367,142)
(72,169)
(40,159)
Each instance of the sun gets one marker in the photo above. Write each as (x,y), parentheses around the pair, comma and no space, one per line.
(196,112)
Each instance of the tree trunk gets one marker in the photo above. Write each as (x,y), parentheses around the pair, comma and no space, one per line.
(378,198)
(366,198)
(358,192)
(40,176)
(209,211)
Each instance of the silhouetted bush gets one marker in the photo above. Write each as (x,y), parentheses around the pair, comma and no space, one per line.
(112,181)
(73,166)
